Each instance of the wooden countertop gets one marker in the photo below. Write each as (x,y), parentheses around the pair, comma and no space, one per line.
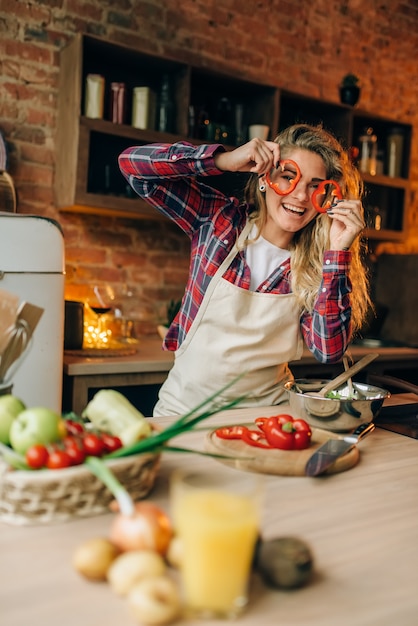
(150,357)
(361,526)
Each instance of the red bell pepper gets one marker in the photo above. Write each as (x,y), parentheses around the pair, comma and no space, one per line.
(324,190)
(286,433)
(279,431)
(292,183)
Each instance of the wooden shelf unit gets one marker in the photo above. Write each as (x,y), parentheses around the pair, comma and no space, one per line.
(87,174)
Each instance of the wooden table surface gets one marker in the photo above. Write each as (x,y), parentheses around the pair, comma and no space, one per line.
(361,525)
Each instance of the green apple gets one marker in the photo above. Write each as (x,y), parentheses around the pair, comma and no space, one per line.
(32,426)
(10,407)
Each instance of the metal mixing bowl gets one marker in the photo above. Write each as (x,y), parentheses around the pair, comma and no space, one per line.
(341,414)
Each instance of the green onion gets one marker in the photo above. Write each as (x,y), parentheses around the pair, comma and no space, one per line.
(103,473)
(155,443)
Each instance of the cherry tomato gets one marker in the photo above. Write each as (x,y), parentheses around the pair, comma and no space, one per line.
(75,450)
(93,444)
(110,442)
(74,428)
(37,456)
(58,459)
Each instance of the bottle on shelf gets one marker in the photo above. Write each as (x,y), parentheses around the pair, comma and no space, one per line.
(394,151)
(143,108)
(117,113)
(165,121)
(95,86)
(368,152)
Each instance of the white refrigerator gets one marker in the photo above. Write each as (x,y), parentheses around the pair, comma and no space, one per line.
(32,266)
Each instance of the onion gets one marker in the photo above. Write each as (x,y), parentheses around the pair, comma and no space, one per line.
(148,527)
(139,525)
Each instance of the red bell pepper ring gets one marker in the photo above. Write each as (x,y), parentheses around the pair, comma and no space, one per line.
(325,188)
(286,433)
(247,435)
(292,183)
(255,438)
(231,432)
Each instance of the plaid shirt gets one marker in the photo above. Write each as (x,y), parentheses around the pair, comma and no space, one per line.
(166,177)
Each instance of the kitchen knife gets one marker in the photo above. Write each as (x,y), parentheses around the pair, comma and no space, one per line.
(330,451)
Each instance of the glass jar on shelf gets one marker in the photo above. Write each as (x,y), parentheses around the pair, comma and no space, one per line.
(394,151)
(368,152)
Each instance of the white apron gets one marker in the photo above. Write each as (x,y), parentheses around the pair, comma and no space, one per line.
(234,331)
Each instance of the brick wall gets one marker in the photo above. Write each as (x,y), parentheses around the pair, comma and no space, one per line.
(303,46)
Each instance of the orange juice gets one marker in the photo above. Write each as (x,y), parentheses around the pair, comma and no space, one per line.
(218,531)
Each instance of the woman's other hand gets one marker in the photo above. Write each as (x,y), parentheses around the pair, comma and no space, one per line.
(347,223)
(256,156)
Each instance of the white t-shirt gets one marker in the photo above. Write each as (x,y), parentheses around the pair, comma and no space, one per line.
(263,257)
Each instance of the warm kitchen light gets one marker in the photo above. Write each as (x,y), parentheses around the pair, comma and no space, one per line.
(95,335)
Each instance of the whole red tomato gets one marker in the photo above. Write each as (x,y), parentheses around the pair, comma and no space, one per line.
(37,456)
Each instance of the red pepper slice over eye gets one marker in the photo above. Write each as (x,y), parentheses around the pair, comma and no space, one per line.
(292,183)
(326,188)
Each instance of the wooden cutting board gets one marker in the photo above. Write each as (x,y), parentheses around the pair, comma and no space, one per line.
(277,462)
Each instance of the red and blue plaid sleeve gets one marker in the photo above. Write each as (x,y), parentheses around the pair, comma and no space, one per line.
(327,331)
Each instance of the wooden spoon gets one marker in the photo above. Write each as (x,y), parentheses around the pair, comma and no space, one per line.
(349,381)
(342,378)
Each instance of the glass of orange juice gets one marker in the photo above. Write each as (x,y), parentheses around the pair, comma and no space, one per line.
(216,516)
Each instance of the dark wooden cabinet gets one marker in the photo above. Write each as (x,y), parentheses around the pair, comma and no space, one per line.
(206,106)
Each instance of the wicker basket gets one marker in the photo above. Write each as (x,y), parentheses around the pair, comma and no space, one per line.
(59,495)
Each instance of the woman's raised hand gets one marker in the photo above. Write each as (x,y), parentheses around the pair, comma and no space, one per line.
(257,156)
(347,223)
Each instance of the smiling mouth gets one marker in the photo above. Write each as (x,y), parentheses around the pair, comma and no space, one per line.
(294,210)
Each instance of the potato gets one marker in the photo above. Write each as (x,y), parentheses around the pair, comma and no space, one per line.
(131,567)
(93,558)
(155,601)
(285,562)
(175,552)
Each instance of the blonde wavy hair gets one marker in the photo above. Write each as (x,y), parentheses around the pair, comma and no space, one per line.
(310,243)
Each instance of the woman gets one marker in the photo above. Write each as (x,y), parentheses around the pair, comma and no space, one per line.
(265,275)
